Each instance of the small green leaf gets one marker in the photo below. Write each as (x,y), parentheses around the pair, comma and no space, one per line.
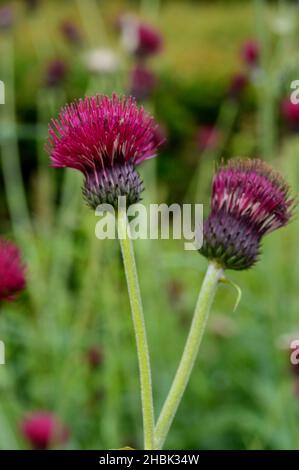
(224,280)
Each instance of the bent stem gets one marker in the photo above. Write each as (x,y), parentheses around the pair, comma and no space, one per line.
(201,313)
(139,328)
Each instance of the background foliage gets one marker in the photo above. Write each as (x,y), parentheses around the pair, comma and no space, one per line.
(241,395)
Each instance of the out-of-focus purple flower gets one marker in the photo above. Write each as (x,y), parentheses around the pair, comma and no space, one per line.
(12,271)
(149,40)
(140,38)
(238,83)
(250,53)
(290,112)
(249,200)
(95,357)
(43,430)
(104,138)
(71,32)
(7,17)
(209,138)
(296,387)
(143,82)
(56,73)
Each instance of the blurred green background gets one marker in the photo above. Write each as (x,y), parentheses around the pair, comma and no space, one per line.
(242,394)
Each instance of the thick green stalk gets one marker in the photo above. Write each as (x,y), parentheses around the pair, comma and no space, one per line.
(139,328)
(202,309)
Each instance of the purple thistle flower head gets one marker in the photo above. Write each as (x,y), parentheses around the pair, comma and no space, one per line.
(95,357)
(250,53)
(143,82)
(248,201)
(12,271)
(149,40)
(7,17)
(56,72)
(43,430)
(71,32)
(104,138)
(237,85)
(290,113)
(140,39)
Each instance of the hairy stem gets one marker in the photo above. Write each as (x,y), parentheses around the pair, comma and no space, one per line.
(201,313)
(139,328)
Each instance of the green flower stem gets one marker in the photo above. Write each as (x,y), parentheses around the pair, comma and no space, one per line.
(139,327)
(201,313)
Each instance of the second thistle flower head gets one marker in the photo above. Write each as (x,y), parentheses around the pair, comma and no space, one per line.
(248,201)
(105,139)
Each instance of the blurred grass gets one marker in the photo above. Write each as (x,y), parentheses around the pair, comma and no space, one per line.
(241,393)
(202,41)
